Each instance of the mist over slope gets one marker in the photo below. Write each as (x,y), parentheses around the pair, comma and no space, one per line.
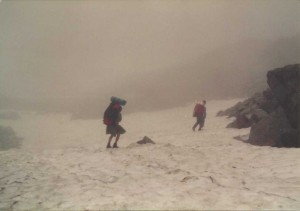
(76,55)
(234,70)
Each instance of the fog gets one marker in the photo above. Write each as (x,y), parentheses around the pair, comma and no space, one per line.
(73,55)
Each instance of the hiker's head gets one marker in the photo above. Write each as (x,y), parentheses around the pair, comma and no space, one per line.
(204,102)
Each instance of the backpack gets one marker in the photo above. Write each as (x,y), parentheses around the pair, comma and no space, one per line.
(106,119)
(112,114)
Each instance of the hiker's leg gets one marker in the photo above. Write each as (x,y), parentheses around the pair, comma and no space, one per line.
(201,123)
(116,142)
(196,124)
(109,140)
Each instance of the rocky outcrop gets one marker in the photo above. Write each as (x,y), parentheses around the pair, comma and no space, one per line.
(285,85)
(252,110)
(273,114)
(9,115)
(241,121)
(8,138)
(281,127)
(273,130)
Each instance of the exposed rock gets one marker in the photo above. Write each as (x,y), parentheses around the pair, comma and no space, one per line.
(241,121)
(272,130)
(283,122)
(284,84)
(273,115)
(8,138)
(145,140)
(248,111)
(9,115)
(258,115)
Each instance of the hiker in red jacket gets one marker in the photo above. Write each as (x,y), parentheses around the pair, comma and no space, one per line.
(200,114)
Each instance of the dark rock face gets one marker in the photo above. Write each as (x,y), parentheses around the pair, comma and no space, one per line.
(273,115)
(9,115)
(8,138)
(241,121)
(146,140)
(284,84)
(273,130)
(248,112)
(285,87)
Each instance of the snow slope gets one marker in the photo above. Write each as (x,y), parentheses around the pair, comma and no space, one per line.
(64,165)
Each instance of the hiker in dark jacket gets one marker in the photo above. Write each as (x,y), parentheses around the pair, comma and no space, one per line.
(112,117)
(200,114)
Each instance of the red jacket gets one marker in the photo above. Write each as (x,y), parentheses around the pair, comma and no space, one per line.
(199,110)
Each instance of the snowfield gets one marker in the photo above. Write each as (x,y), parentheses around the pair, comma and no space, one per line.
(63,165)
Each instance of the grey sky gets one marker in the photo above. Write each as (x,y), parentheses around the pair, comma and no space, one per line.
(73,49)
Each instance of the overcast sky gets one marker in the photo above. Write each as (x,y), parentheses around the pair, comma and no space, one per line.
(75,49)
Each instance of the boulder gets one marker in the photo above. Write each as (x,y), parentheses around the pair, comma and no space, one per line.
(8,138)
(273,114)
(273,130)
(145,140)
(241,121)
(248,111)
(284,84)
(258,114)
(9,115)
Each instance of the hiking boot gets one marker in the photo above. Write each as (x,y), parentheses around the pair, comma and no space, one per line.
(115,146)
(108,146)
